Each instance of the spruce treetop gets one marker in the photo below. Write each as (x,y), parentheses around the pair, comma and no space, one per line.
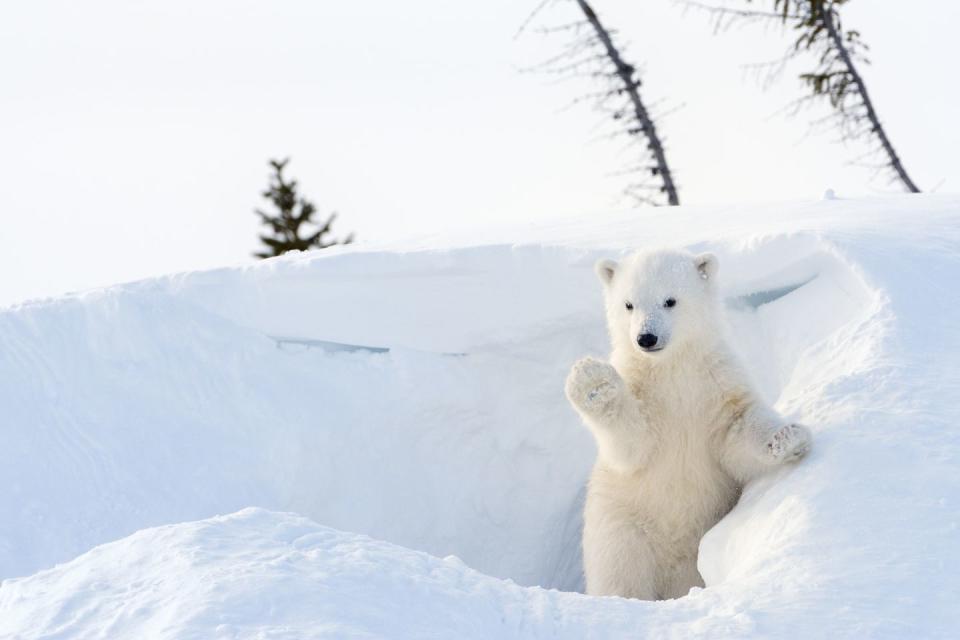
(292,226)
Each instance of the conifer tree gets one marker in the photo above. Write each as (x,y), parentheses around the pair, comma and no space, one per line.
(594,52)
(294,216)
(835,76)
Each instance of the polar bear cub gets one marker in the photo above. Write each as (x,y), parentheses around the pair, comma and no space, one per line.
(679,428)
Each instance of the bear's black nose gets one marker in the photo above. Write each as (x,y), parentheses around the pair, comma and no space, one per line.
(647,340)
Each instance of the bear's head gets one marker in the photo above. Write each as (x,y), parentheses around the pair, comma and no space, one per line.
(658,301)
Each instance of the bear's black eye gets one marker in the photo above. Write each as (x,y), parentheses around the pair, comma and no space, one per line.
(629,306)
(669,302)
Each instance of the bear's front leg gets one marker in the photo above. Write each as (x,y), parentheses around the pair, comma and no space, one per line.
(594,388)
(612,413)
(759,440)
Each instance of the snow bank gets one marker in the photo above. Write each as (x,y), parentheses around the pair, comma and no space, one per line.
(257,574)
(170,400)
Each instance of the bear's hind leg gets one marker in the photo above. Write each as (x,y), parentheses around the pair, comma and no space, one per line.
(619,561)
(678,581)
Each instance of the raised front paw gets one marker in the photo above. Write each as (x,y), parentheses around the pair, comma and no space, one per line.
(593,385)
(789,443)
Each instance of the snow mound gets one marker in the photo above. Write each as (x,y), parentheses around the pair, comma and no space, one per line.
(259,574)
(413,393)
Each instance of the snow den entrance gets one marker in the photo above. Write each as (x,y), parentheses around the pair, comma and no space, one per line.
(479,456)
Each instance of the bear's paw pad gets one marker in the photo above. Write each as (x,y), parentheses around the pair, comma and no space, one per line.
(593,383)
(791,442)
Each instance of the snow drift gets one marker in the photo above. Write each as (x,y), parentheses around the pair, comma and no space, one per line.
(413,393)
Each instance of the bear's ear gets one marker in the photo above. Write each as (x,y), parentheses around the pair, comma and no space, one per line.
(606,270)
(707,265)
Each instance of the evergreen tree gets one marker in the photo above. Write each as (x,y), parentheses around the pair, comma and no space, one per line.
(593,51)
(835,76)
(293,212)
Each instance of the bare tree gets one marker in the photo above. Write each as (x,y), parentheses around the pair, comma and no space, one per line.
(835,76)
(594,52)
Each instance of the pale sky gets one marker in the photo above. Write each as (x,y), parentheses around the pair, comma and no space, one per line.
(135,135)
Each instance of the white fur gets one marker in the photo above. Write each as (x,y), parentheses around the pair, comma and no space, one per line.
(678,431)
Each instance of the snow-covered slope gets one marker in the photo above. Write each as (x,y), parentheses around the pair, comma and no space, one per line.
(172,400)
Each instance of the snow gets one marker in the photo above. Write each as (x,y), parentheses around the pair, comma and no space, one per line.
(131,409)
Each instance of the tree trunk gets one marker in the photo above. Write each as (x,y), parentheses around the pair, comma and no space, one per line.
(625,72)
(827,16)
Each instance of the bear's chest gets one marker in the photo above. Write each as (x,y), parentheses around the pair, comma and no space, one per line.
(684,476)
(686,411)
(683,485)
